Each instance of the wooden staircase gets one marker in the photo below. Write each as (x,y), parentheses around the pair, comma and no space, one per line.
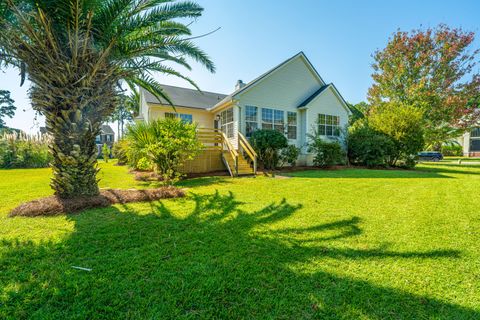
(239,162)
(244,167)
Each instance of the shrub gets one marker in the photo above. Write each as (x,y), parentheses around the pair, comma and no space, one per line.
(24,151)
(452,149)
(403,124)
(144,164)
(120,150)
(368,147)
(289,155)
(105,152)
(166,143)
(327,153)
(267,144)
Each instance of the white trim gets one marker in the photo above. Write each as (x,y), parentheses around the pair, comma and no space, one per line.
(278,68)
(337,95)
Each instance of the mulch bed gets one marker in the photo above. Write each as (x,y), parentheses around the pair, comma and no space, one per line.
(53,205)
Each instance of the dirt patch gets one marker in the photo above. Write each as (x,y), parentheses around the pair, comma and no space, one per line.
(53,205)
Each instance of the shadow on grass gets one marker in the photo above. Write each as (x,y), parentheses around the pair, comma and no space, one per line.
(216,261)
(361,173)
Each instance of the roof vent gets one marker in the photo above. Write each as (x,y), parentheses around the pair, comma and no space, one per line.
(240,84)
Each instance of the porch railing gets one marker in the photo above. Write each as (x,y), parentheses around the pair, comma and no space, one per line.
(245,147)
(214,139)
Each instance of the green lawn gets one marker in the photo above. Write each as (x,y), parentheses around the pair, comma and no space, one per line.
(345,244)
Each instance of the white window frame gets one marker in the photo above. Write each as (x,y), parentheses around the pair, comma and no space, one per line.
(328,125)
(251,120)
(227,122)
(292,126)
(185,117)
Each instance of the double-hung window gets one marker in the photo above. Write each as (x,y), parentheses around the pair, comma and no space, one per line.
(292,125)
(267,119)
(328,125)
(273,119)
(185,117)
(251,122)
(279,120)
(226,122)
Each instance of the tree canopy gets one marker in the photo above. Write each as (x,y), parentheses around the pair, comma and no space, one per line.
(76,53)
(7,107)
(432,70)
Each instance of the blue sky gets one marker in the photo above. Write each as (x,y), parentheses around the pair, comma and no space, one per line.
(337,36)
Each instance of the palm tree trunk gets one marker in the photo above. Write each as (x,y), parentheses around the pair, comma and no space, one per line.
(74,153)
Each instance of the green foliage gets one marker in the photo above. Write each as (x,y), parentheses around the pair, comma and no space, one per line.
(22,151)
(289,155)
(165,143)
(403,124)
(7,107)
(368,147)
(105,152)
(359,111)
(452,149)
(120,150)
(144,164)
(267,144)
(327,153)
(76,53)
(276,245)
(435,71)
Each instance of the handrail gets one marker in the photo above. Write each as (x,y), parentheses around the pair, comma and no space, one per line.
(247,144)
(232,151)
(249,150)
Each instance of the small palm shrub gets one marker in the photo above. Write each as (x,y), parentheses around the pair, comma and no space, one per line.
(120,150)
(24,151)
(165,143)
(267,144)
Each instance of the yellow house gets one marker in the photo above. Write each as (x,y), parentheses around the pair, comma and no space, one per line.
(291,98)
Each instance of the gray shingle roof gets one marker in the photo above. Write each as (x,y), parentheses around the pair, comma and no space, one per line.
(313,96)
(184,97)
(106,129)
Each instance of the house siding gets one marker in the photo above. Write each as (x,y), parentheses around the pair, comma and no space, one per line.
(203,118)
(284,89)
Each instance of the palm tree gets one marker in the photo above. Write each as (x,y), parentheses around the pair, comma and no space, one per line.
(76,53)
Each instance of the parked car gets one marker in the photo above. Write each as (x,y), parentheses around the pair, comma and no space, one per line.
(430,156)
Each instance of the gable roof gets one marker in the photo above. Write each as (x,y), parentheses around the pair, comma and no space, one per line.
(184,97)
(313,96)
(266,74)
(106,129)
(320,91)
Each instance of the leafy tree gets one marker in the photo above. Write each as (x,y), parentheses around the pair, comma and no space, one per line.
(166,143)
(267,144)
(402,124)
(359,111)
(127,107)
(76,54)
(433,71)
(7,107)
